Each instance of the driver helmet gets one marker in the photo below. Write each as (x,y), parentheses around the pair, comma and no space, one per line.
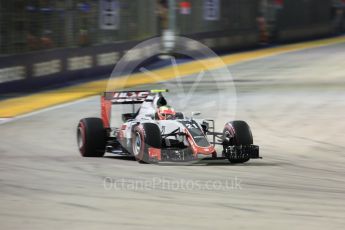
(166,113)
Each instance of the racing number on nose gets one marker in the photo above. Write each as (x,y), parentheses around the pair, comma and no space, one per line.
(191,125)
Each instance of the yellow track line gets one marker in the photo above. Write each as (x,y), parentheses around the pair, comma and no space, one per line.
(26,104)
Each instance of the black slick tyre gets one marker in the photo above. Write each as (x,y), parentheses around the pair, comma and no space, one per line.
(144,136)
(91,137)
(237,133)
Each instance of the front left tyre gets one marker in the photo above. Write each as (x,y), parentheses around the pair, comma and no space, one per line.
(145,136)
(91,137)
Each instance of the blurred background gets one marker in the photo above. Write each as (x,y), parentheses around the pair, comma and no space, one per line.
(293,102)
(48,42)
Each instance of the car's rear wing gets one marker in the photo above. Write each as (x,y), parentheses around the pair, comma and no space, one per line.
(130,97)
(124,97)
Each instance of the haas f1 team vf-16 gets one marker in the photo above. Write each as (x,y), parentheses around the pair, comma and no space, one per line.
(155,132)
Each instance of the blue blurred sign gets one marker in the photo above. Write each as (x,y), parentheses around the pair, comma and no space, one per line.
(84,7)
(109,14)
(211,10)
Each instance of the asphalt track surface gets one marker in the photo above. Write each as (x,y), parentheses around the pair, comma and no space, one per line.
(295,105)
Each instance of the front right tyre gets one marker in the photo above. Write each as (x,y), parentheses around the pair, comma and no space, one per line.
(237,133)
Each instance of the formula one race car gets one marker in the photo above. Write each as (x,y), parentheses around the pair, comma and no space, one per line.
(155,132)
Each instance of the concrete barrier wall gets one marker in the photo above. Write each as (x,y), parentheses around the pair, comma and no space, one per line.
(33,71)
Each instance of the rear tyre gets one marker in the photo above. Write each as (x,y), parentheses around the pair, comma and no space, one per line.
(237,133)
(91,137)
(144,136)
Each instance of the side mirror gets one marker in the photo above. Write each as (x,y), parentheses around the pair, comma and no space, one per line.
(196,113)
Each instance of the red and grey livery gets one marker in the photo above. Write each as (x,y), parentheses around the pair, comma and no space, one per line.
(154,138)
